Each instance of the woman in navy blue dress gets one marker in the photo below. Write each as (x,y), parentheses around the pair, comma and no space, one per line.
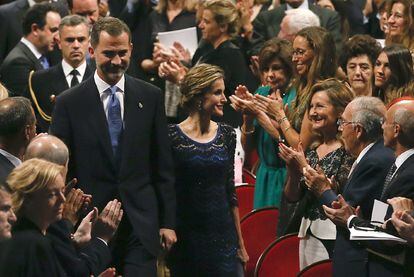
(208,227)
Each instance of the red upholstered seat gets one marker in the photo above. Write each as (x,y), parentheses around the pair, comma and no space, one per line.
(248,177)
(281,258)
(245,195)
(259,230)
(318,269)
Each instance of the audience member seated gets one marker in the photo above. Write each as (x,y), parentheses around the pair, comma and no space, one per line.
(317,234)
(17,128)
(40,31)
(261,132)
(360,126)
(394,74)
(45,85)
(358,58)
(398,130)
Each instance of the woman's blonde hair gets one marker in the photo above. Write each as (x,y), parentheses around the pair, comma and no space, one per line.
(188,5)
(197,82)
(224,13)
(29,177)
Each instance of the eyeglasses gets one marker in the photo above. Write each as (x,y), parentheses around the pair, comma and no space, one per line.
(299,52)
(341,122)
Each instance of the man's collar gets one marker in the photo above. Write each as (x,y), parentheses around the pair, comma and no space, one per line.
(103,86)
(304,5)
(32,48)
(67,68)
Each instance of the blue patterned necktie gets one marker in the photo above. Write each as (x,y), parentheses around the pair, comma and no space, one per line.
(114,118)
(388,179)
(43,60)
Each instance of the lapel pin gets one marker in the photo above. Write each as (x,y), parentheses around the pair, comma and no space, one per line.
(140,105)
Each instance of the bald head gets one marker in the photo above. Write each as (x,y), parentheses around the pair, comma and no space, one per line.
(399,126)
(49,148)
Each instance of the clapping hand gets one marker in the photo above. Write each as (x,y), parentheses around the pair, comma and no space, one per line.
(340,211)
(295,159)
(316,181)
(108,221)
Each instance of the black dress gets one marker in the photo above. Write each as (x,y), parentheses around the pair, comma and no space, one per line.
(207,239)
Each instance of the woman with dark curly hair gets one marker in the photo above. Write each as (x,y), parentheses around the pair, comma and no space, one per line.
(357,60)
(394,75)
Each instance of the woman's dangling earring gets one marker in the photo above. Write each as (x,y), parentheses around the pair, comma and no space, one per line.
(199,106)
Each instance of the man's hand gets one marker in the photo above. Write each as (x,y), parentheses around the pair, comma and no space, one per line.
(401,204)
(340,211)
(167,238)
(108,221)
(404,224)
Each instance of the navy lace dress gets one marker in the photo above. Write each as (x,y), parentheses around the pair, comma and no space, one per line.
(207,239)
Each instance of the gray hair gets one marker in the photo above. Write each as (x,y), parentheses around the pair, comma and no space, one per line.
(405,118)
(369,113)
(301,18)
(72,21)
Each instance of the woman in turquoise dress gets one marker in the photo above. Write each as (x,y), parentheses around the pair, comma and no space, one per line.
(261,131)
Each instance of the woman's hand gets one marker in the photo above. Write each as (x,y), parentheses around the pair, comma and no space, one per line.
(172,71)
(295,159)
(243,101)
(272,105)
(316,181)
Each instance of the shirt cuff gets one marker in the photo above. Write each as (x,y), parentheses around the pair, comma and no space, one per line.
(102,241)
(349,221)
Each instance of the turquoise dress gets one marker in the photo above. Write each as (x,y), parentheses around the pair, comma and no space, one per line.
(271,173)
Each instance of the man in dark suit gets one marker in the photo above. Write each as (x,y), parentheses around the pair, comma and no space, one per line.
(86,8)
(17,128)
(45,85)
(267,24)
(40,30)
(11,17)
(360,125)
(398,131)
(115,129)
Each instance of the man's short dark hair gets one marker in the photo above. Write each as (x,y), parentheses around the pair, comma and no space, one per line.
(15,114)
(113,26)
(70,3)
(72,21)
(36,15)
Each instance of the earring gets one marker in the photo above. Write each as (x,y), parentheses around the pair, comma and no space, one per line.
(199,106)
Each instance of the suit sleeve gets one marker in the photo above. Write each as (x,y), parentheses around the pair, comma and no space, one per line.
(259,35)
(15,75)
(162,168)
(333,25)
(3,40)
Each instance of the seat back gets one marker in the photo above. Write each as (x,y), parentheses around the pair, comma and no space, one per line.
(281,258)
(245,196)
(259,230)
(318,269)
(248,177)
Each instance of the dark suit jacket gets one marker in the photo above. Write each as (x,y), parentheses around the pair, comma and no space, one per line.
(400,185)
(5,168)
(11,17)
(363,186)
(267,25)
(49,82)
(143,179)
(91,259)
(15,70)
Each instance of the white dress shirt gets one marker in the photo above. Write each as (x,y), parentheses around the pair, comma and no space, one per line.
(67,69)
(360,156)
(304,5)
(104,94)
(32,48)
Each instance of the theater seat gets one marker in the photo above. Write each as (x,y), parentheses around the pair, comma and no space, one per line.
(281,258)
(245,196)
(259,230)
(318,269)
(248,177)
